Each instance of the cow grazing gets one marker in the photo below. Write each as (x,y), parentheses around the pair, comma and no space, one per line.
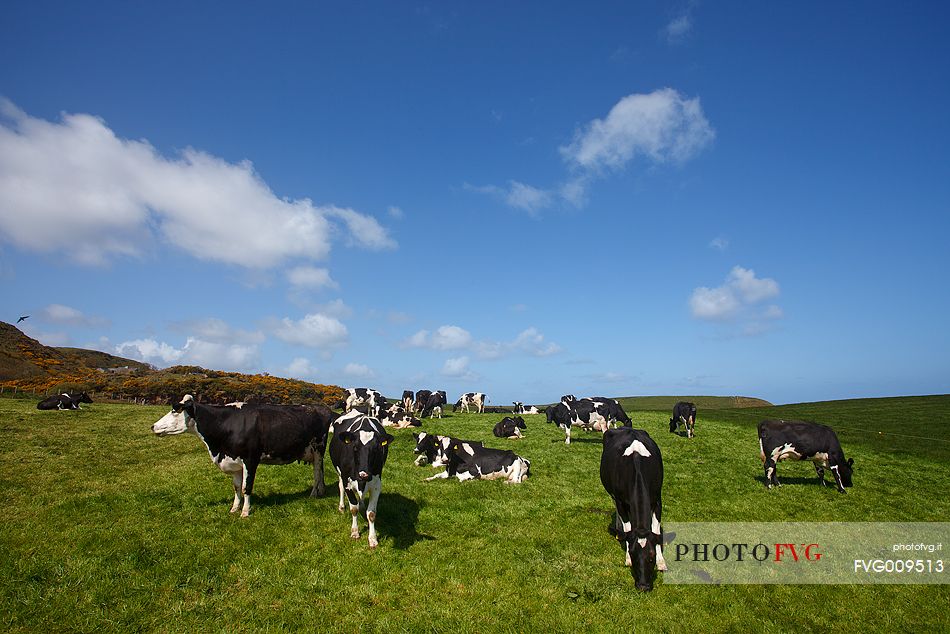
(471,461)
(407,398)
(471,399)
(432,449)
(433,404)
(799,440)
(509,427)
(241,438)
(521,409)
(64,401)
(358,450)
(631,470)
(364,396)
(683,413)
(590,414)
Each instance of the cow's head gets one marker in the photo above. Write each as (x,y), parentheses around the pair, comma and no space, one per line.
(567,399)
(84,398)
(457,406)
(178,421)
(370,446)
(846,470)
(642,549)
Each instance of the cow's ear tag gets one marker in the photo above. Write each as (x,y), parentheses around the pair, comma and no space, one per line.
(346,440)
(384,443)
(455,446)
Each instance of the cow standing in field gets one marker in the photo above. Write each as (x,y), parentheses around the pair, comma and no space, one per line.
(800,440)
(471,399)
(684,413)
(590,414)
(433,404)
(64,401)
(241,438)
(509,427)
(358,450)
(631,470)
(364,396)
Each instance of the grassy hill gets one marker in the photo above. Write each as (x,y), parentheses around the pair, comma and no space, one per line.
(147,540)
(641,403)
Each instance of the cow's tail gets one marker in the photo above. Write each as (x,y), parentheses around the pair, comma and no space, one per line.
(761,450)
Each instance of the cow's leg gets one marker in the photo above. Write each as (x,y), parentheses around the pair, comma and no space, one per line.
(319,486)
(834,472)
(439,476)
(689,427)
(770,478)
(237,478)
(250,471)
(623,529)
(821,474)
(340,483)
(672,425)
(567,434)
(354,511)
(657,530)
(374,489)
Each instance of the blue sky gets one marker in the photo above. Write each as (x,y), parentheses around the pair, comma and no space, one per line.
(526,200)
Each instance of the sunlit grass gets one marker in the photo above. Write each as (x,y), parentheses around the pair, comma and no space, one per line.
(107,526)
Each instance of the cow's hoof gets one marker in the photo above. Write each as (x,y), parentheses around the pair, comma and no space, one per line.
(373,544)
(245,514)
(355,535)
(340,509)
(842,491)
(234,509)
(318,493)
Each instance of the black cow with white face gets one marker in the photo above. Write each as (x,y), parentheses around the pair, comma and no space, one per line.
(472,461)
(64,401)
(800,440)
(358,450)
(684,413)
(509,427)
(631,470)
(241,438)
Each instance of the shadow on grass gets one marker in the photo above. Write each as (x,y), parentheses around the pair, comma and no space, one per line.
(598,440)
(795,480)
(398,518)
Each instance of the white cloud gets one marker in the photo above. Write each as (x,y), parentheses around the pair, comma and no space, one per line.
(679,28)
(300,368)
(60,314)
(395,212)
(445,338)
(218,331)
(661,126)
(457,368)
(735,299)
(532,342)
(207,354)
(109,196)
(359,371)
(315,330)
(518,195)
(310,277)
(719,243)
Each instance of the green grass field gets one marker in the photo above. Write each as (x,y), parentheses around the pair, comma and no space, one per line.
(106,527)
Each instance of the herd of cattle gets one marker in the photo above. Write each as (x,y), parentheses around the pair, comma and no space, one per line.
(240,437)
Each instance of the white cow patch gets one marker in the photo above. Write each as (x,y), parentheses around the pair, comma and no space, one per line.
(783,453)
(821,458)
(642,541)
(637,447)
(468,449)
(366,437)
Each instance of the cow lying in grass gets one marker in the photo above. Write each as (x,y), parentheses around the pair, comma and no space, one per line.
(509,427)
(64,401)
(471,461)
(432,449)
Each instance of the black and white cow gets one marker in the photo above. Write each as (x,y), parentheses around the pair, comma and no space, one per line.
(358,450)
(471,461)
(241,438)
(509,427)
(799,440)
(471,399)
(631,470)
(398,418)
(422,397)
(521,409)
(364,396)
(433,404)
(433,449)
(590,414)
(64,401)
(407,398)
(684,413)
